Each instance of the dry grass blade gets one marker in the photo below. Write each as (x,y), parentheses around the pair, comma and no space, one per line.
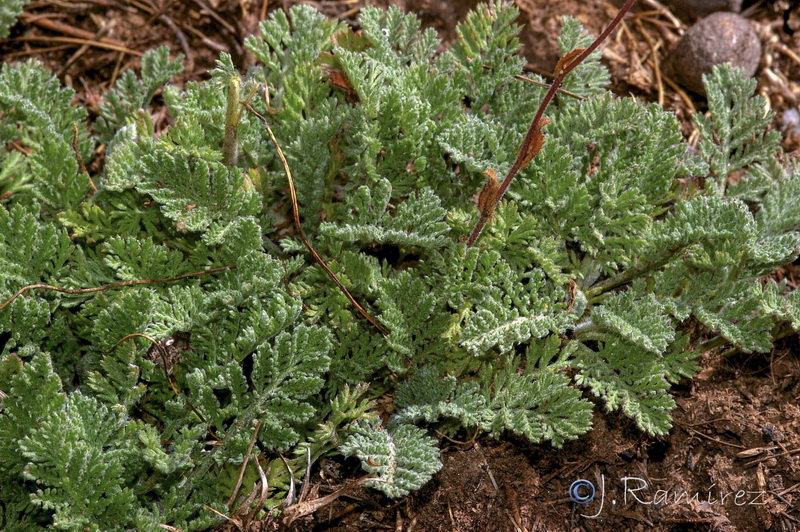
(73,40)
(82,50)
(664,10)
(543,85)
(236,522)
(296,217)
(306,476)
(291,491)
(238,485)
(653,60)
(263,488)
(301,509)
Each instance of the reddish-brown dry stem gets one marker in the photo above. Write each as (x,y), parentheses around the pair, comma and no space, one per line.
(534,131)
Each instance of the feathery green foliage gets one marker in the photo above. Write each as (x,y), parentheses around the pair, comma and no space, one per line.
(401,460)
(134,405)
(131,94)
(35,113)
(734,135)
(9,11)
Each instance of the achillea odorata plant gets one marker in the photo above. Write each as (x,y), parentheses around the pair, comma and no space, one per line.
(163,323)
(9,11)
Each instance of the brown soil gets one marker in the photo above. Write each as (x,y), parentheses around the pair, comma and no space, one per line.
(732,460)
(731,463)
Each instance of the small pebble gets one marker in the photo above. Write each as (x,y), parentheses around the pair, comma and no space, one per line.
(702,8)
(789,122)
(791,118)
(771,433)
(718,38)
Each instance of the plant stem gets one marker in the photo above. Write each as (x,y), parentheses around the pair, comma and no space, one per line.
(630,274)
(708,345)
(230,152)
(522,154)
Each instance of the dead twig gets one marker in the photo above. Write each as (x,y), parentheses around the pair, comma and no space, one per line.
(36,51)
(75,40)
(224,23)
(65,29)
(715,440)
(486,468)
(115,73)
(789,489)
(765,458)
(349,13)
(187,50)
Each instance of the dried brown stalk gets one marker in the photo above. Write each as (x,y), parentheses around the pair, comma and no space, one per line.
(65,29)
(534,139)
(240,478)
(296,217)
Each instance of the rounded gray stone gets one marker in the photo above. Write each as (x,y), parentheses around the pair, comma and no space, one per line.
(718,38)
